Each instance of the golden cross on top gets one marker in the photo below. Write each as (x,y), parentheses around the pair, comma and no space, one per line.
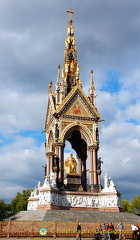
(70,13)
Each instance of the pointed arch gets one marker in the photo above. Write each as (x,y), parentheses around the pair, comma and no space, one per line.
(84,131)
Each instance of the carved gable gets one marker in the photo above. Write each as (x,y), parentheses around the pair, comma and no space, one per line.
(78,104)
(77,108)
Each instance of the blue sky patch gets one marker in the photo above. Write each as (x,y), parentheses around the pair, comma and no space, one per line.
(132,120)
(33,134)
(112,83)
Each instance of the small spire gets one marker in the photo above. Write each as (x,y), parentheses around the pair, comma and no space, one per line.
(50,87)
(92,89)
(91,81)
(58,76)
(59,87)
(58,82)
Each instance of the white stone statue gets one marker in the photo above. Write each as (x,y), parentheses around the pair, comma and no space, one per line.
(52,180)
(39,185)
(51,177)
(46,182)
(108,184)
(34,193)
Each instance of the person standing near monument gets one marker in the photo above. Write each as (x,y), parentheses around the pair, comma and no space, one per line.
(112,235)
(134,233)
(104,231)
(108,231)
(138,232)
(78,237)
(120,228)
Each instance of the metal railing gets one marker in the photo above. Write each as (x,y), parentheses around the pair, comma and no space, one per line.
(53,229)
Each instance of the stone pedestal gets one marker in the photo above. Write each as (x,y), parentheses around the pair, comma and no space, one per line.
(72,182)
(48,196)
(94,188)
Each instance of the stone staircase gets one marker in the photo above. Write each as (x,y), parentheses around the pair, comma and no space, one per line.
(72,216)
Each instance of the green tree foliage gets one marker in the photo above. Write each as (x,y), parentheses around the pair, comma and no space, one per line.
(5,210)
(19,203)
(127,206)
(133,206)
(136,204)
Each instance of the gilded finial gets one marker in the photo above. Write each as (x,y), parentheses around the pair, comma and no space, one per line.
(91,71)
(58,66)
(70,15)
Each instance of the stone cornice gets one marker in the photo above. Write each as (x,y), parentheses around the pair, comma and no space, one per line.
(49,154)
(79,118)
(59,144)
(92,147)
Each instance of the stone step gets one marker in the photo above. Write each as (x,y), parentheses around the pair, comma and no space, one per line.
(72,216)
(29,216)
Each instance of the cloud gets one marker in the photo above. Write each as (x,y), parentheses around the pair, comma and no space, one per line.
(21,165)
(22,110)
(120,154)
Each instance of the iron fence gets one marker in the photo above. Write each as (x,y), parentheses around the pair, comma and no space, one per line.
(53,229)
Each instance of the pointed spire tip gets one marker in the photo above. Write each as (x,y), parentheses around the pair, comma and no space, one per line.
(70,15)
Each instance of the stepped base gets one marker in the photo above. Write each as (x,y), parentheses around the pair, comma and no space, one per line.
(72,216)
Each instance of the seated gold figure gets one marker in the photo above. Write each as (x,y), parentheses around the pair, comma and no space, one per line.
(70,164)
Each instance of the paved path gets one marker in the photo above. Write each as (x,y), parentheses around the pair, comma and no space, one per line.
(41,238)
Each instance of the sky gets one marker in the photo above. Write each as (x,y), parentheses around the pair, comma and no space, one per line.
(32,41)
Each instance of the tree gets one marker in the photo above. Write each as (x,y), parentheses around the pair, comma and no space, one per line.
(5,210)
(127,206)
(133,206)
(136,204)
(19,203)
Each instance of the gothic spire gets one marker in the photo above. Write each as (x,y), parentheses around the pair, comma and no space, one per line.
(59,88)
(58,83)
(92,90)
(71,70)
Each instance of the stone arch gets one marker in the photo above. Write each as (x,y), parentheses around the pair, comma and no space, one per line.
(50,141)
(80,138)
(85,132)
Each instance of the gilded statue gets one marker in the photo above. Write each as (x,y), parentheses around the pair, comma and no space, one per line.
(70,164)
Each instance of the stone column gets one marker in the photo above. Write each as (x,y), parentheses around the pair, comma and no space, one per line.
(59,153)
(61,163)
(90,157)
(56,168)
(94,178)
(94,166)
(51,161)
(48,163)
(79,171)
(84,174)
(99,179)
